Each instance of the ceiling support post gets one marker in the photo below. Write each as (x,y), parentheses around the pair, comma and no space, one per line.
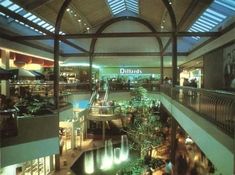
(57,69)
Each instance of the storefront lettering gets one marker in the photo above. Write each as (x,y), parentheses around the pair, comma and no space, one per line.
(130,71)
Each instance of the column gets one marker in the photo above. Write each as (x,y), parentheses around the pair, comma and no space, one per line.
(5,87)
(161,68)
(174,60)
(57,162)
(174,125)
(38,166)
(31,167)
(51,163)
(73,136)
(103,130)
(44,165)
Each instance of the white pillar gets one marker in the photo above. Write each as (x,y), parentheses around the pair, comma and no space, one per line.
(38,166)
(72,136)
(31,167)
(51,163)
(44,165)
(5,87)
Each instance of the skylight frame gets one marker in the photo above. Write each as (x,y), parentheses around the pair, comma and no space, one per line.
(224,4)
(214,16)
(118,6)
(28,15)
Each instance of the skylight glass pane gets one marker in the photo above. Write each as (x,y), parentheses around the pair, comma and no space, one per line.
(208,20)
(230,4)
(37,20)
(118,10)
(49,27)
(117,6)
(196,29)
(200,27)
(32,17)
(27,15)
(216,14)
(19,10)
(116,2)
(6,3)
(41,23)
(206,23)
(52,30)
(213,17)
(13,7)
(132,5)
(45,25)
(2,14)
(203,25)
(111,2)
(131,8)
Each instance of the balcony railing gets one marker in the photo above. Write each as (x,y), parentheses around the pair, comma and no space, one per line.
(216,106)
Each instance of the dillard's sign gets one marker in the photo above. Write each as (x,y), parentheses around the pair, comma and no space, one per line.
(130,71)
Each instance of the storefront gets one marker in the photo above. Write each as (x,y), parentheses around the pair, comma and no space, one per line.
(191,75)
(40,166)
(130,73)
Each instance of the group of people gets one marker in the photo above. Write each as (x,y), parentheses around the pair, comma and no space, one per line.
(191,83)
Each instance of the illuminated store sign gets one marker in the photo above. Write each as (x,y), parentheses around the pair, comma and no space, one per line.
(130,71)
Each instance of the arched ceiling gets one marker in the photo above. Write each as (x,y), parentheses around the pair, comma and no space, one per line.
(92,13)
(84,17)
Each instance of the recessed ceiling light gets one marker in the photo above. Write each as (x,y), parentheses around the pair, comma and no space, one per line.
(88,28)
(164,20)
(162,27)
(84,24)
(75,15)
(170,2)
(79,20)
(68,9)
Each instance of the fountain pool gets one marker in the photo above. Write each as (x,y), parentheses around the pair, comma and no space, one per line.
(104,161)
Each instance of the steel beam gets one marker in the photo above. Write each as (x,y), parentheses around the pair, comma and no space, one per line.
(119,35)
(57,66)
(123,54)
(174,41)
(34,25)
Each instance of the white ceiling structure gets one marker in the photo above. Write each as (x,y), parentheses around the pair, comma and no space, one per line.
(85,17)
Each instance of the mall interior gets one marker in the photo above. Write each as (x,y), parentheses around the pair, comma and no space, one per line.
(117,87)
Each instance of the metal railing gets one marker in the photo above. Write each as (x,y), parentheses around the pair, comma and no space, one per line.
(216,106)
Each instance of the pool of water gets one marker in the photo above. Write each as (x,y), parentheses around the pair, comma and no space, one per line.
(78,166)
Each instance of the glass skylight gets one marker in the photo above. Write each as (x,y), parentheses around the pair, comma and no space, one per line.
(35,19)
(118,6)
(213,16)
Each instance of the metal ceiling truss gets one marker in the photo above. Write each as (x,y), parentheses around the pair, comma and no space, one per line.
(26,21)
(122,54)
(119,35)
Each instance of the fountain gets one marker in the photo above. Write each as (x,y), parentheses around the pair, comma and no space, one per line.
(89,162)
(124,154)
(116,157)
(108,158)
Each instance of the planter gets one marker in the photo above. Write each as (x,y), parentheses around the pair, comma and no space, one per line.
(8,123)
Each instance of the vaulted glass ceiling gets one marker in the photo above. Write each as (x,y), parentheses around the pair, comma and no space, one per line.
(118,6)
(35,19)
(218,12)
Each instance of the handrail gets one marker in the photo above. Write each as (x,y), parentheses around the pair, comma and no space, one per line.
(105,109)
(106,96)
(93,96)
(216,106)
